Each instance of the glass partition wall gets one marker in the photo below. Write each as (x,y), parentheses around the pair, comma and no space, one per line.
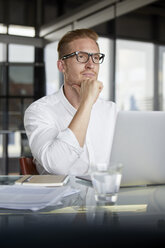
(16,93)
(134,75)
(18,72)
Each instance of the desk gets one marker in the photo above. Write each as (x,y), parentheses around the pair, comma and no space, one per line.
(137,218)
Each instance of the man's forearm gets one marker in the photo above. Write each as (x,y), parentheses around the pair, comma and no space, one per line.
(88,92)
(80,121)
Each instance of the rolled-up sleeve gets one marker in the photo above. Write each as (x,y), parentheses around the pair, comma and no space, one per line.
(55,149)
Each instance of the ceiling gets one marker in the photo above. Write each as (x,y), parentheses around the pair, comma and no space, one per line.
(37,12)
(144,23)
(42,12)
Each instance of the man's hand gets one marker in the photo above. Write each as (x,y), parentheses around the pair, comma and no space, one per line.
(89,90)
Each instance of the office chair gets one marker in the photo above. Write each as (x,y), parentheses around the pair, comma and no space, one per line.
(27,166)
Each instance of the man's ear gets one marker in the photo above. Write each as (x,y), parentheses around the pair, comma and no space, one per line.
(60,65)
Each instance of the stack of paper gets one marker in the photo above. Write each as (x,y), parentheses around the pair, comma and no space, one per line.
(32,197)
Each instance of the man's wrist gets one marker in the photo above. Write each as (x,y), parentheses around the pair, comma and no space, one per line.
(86,103)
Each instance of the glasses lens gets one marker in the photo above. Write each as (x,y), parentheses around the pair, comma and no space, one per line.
(82,57)
(98,58)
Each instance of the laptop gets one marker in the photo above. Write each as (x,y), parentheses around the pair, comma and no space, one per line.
(139,144)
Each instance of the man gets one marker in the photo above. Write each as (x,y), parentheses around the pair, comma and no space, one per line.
(73,128)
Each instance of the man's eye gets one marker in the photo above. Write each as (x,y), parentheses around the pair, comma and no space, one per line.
(83,55)
(97,57)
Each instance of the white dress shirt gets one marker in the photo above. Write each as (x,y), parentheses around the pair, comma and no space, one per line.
(55,147)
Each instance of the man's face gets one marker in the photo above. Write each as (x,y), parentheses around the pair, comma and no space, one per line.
(74,71)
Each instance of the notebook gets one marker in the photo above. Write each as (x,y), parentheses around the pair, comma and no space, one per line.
(139,144)
(43,180)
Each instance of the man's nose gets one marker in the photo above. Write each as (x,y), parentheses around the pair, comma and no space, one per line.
(89,63)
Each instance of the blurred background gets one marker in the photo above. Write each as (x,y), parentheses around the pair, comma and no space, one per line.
(132,36)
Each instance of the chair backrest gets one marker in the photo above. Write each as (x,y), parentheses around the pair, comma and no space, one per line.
(27,166)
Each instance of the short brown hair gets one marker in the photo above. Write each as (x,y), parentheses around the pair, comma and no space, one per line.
(74,35)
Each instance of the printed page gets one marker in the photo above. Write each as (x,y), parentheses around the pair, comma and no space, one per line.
(33,198)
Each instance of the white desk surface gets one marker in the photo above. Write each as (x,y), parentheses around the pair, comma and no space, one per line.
(138,210)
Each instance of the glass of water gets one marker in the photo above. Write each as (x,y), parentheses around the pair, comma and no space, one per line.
(106,182)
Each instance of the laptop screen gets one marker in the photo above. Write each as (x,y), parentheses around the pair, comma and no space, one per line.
(139,144)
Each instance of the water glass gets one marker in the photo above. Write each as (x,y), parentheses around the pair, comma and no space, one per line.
(106,182)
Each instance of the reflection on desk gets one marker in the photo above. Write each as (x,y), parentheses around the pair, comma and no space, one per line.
(115,208)
(138,216)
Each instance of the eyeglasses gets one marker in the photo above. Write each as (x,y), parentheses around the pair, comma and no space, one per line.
(83,57)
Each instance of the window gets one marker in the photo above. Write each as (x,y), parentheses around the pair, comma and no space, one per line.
(52,73)
(21,80)
(162,77)
(134,75)
(15,114)
(21,53)
(14,148)
(2,52)
(104,73)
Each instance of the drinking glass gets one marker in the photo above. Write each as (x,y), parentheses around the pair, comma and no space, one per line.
(106,181)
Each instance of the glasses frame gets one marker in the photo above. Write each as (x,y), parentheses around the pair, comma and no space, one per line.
(67,56)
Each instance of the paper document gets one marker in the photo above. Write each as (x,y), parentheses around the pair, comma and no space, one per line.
(32,197)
